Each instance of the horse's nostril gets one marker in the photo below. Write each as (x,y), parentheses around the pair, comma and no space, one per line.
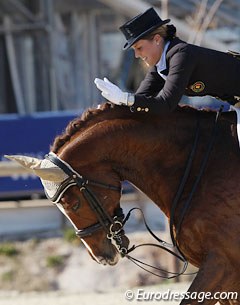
(102,261)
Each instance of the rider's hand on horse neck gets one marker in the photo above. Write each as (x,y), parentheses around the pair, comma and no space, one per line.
(112,93)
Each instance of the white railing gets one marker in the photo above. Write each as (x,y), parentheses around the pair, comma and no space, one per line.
(11,169)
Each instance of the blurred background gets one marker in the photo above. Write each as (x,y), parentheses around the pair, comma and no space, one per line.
(50,53)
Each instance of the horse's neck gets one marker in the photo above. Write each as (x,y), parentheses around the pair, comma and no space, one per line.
(151,155)
(150,159)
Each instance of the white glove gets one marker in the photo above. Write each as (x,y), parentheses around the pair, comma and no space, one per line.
(111,92)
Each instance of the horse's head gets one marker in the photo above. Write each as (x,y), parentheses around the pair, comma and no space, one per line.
(87,191)
(90,200)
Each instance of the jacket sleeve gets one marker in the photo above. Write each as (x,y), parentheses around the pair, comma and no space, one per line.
(180,69)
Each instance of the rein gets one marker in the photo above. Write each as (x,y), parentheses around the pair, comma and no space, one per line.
(197,180)
(162,244)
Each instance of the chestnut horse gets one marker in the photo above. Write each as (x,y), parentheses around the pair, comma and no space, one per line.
(110,144)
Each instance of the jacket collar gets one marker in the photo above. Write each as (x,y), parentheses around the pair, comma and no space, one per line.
(175,41)
(162,64)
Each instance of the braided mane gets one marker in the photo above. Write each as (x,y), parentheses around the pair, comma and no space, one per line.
(92,115)
(88,118)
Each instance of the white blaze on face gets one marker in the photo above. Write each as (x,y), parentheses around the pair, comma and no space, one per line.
(90,251)
(83,241)
(85,244)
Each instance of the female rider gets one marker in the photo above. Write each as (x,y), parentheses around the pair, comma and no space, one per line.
(176,68)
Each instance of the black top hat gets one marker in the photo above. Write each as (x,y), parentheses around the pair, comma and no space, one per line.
(140,26)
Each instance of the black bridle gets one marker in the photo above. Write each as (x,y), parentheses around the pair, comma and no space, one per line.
(113,226)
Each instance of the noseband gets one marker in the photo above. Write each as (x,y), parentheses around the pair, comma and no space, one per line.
(113,226)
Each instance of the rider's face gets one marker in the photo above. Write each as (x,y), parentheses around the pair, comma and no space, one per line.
(149,51)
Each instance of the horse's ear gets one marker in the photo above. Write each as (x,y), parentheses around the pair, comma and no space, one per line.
(28,162)
(51,173)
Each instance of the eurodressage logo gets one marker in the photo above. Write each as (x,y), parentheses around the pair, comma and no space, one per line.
(197,87)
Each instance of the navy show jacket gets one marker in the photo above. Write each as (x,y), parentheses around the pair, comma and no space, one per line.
(192,71)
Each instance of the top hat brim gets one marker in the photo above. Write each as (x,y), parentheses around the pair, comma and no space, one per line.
(130,42)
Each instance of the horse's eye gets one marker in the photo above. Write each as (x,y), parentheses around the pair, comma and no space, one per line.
(76,206)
